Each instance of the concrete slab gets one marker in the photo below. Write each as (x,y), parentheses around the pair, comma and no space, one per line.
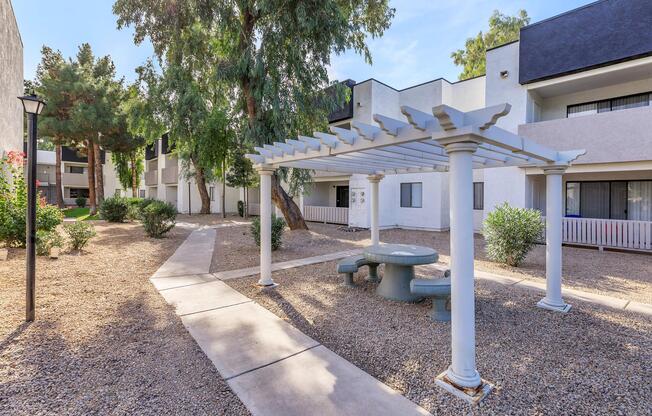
(202,297)
(193,256)
(244,337)
(639,307)
(318,381)
(290,264)
(163,283)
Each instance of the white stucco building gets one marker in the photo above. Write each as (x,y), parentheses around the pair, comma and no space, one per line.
(11,81)
(567,92)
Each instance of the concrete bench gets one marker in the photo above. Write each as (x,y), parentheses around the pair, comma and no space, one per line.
(350,265)
(440,292)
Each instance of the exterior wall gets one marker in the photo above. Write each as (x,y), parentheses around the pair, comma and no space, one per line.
(618,136)
(11,81)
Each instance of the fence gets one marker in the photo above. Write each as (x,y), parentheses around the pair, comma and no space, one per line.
(334,215)
(608,233)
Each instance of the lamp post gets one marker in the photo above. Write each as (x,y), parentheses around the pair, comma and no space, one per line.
(32,106)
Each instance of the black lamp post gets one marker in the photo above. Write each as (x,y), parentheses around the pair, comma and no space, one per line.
(32,106)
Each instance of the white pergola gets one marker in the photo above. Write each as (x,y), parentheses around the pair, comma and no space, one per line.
(444,140)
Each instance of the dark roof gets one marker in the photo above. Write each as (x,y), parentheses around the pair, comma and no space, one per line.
(599,34)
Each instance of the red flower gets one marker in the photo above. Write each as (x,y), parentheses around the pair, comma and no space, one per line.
(38,183)
(16,158)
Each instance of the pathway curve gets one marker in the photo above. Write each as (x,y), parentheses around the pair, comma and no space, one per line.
(273,367)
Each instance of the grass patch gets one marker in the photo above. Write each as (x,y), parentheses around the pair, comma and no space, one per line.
(81,214)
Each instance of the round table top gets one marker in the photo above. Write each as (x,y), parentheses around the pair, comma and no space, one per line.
(403,254)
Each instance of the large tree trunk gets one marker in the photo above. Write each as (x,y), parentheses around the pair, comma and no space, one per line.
(290,210)
(99,174)
(203,193)
(90,158)
(134,175)
(57,176)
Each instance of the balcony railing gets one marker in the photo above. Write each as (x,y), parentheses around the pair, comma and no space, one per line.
(74,179)
(333,215)
(151,178)
(625,234)
(615,136)
(170,175)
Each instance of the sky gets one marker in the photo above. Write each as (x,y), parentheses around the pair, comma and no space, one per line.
(415,49)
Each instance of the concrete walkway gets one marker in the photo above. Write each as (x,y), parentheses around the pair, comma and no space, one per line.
(274,368)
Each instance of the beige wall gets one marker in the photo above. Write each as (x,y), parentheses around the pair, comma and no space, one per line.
(11,81)
(618,136)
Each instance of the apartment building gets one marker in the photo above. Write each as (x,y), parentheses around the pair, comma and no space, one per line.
(165,180)
(74,176)
(11,81)
(566,91)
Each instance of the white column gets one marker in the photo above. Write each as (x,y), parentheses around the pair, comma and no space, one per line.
(553,299)
(301,203)
(462,371)
(266,226)
(374,180)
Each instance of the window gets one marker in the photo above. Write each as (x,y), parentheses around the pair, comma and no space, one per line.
(76,169)
(613,104)
(211,193)
(342,196)
(77,192)
(478,195)
(411,195)
(622,200)
(141,193)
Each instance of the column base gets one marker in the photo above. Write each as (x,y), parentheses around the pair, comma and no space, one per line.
(471,395)
(563,307)
(266,285)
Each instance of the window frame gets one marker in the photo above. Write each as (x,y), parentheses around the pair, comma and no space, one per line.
(411,184)
(478,205)
(610,101)
(211,193)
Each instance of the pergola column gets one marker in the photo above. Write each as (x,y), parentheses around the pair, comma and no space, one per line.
(554,207)
(462,372)
(265,173)
(374,180)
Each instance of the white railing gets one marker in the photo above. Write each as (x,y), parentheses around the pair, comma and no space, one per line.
(334,215)
(253,209)
(608,233)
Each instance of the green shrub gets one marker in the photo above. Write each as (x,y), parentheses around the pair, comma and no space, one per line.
(158,217)
(241,208)
(13,204)
(80,201)
(278,226)
(511,233)
(79,233)
(133,208)
(45,240)
(114,209)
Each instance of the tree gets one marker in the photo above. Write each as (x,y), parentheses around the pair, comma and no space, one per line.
(241,174)
(275,52)
(126,151)
(53,81)
(502,29)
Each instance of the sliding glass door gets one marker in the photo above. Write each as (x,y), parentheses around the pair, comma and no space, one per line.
(620,200)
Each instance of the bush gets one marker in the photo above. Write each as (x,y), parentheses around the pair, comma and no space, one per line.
(511,232)
(79,233)
(133,208)
(80,201)
(278,226)
(158,217)
(241,208)
(45,240)
(13,204)
(114,209)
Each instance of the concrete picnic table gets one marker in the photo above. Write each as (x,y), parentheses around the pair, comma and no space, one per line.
(399,260)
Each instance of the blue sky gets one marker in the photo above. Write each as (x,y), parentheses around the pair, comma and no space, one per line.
(415,49)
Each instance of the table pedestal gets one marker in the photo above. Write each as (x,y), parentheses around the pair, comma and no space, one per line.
(395,284)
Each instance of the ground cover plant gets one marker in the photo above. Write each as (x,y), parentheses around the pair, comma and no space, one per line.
(79,233)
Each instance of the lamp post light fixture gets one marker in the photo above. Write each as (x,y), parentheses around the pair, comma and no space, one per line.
(33,107)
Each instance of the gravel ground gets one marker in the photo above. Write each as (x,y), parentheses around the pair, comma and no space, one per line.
(236,249)
(104,341)
(618,274)
(593,361)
